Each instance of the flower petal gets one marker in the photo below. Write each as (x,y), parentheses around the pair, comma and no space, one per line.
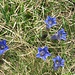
(54,37)
(54,60)
(39,49)
(38,55)
(45,48)
(58,58)
(44,57)
(56,65)
(6,48)
(62,61)
(1,52)
(4,42)
(48,54)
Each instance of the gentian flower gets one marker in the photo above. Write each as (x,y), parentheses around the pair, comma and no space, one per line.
(60,35)
(58,62)
(50,22)
(3,46)
(43,53)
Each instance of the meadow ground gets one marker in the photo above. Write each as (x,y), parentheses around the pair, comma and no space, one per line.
(22,25)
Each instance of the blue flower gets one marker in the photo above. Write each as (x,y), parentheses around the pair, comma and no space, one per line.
(58,62)
(43,53)
(3,46)
(50,22)
(60,35)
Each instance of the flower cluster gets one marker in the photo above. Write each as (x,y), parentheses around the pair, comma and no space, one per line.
(3,46)
(50,22)
(58,61)
(60,35)
(43,53)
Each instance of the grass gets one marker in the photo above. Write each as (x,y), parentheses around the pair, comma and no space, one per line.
(22,25)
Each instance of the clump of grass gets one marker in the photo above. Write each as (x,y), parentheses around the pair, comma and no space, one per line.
(22,25)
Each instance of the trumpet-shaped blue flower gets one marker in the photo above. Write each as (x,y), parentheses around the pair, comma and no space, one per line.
(60,35)
(3,46)
(43,53)
(50,22)
(58,62)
